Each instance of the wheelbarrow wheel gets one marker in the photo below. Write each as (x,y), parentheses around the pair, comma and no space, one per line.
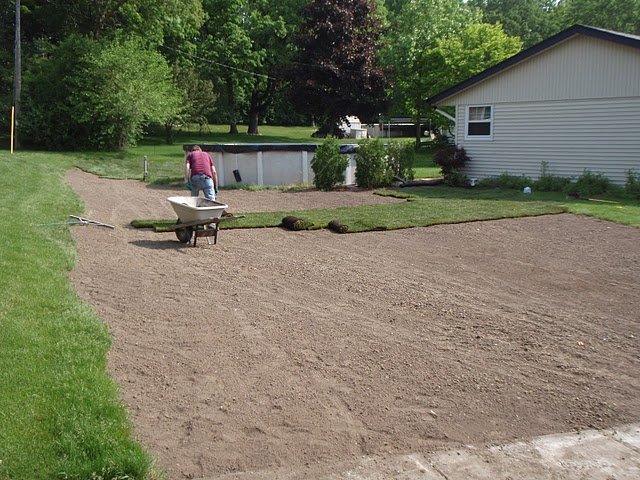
(184,234)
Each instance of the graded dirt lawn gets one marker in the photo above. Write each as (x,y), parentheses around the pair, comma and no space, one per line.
(286,354)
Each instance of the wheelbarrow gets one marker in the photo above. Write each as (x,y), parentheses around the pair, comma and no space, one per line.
(197,217)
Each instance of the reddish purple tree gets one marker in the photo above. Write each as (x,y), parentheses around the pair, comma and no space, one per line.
(335,72)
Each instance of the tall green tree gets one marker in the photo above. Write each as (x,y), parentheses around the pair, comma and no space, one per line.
(56,19)
(246,44)
(413,50)
(197,99)
(7,36)
(226,51)
(618,15)
(97,94)
(531,20)
(336,71)
(271,27)
(466,53)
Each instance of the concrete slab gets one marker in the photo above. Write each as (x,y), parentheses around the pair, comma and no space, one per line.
(611,454)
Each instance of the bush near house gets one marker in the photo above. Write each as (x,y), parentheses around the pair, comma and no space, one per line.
(451,160)
(632,187)
(328,165)
(588,184)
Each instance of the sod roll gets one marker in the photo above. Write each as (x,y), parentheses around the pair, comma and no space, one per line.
(336,226)
(293,223)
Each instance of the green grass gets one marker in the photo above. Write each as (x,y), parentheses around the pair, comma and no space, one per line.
(165,162)
(60,414)
(427,206)
(423,165)
(60,411)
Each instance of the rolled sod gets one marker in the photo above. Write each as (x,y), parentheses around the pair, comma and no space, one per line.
(293,223)
(336,226)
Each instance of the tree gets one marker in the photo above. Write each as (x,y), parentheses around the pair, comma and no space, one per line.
(619,15)
(123,87)
(335,71)
(413,50)
(56,19)
(270,28)
(471,51)
(198,99)
(531,20)
(97,94)
(226,49)
(246,44)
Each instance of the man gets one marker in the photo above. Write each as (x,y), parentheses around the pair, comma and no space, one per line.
(199,169)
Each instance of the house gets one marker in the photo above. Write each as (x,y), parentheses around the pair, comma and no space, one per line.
(572,101)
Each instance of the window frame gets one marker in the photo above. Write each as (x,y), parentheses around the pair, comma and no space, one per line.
(490,120)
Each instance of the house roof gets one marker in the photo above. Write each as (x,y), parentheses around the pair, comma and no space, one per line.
(609,35)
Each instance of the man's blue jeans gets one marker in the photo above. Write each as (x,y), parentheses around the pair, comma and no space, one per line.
(204,183)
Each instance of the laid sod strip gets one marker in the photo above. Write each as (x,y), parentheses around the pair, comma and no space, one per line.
(417,213)
(293,223)
(60,412)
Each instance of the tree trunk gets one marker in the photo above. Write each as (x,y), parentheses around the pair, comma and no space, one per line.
(168,128)
(418,127)
(254,118)
(231,106)
(260,101)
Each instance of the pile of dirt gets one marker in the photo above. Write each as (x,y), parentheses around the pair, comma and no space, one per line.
(295,354)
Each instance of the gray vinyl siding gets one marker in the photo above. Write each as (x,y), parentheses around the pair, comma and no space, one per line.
(575,106)
(579,68)
(601,135)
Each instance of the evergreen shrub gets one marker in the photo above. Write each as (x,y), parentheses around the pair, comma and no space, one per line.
(372,170)
(328,165)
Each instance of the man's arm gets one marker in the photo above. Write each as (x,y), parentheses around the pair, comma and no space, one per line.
(187,170)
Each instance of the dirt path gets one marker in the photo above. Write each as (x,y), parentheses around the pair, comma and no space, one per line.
(298,353)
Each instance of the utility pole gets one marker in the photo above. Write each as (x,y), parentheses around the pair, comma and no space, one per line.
(17,79)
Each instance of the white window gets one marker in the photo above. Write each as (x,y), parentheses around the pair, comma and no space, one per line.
(479,122)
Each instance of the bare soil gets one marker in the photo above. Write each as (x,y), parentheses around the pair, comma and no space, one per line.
(281,354)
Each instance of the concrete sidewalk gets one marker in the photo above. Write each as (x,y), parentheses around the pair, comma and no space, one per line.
(591,454)
(611,454)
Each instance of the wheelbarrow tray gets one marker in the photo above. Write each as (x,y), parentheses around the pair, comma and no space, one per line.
(195,209)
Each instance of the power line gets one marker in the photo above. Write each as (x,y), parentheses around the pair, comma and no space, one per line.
(218,63)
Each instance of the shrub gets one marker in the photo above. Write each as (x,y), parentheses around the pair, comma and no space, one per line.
(506,180)
(328,165)
(632,186)
(589,184)
(488,182)
(451,160)
(550,183)
(371,168)
(514,182)
(400,157)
